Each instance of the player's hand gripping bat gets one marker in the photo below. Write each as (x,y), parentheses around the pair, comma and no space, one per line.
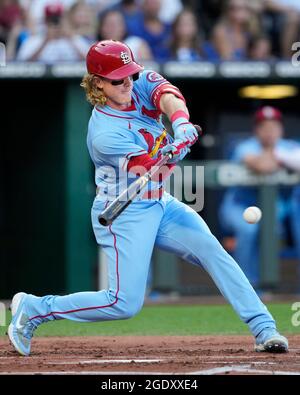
(117,206)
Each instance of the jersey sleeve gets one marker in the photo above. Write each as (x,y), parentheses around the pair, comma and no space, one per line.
(152,85)
(115,149)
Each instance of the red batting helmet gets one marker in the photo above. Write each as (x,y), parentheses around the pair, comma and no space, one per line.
(111,59)
(266,113)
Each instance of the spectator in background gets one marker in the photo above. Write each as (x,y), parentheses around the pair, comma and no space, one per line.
(286,20)
(82,20)
(36,8)
(208,12)
(260,154)
(131,12)
(231,35)
(112,27)
(10,14)
(156,33)
(100,6)
(186,38)
(57,44)
(18,34)
(259,48)
(16,26)
(169,10)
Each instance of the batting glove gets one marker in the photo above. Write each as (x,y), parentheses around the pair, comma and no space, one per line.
(185,131)
(179,150)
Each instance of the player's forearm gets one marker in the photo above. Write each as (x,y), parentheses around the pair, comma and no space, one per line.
(260,164)
(170,104)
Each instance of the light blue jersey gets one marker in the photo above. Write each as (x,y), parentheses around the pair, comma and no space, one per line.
(116,136)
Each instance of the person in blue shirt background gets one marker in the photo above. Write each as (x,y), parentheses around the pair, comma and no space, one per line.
(150,28)
(262,153)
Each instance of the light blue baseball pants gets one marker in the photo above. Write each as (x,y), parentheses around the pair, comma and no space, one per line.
(128,244)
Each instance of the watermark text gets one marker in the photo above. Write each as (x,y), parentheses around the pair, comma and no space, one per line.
(296,55)
(185,183)
(296,316)
(2,314)
(2,55)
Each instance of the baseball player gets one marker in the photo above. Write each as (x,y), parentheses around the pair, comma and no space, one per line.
(126,137)
(266,152)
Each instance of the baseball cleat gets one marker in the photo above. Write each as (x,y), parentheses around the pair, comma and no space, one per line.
(271,341)
(20,330)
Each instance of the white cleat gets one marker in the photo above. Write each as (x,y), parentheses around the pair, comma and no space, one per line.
(271,341)
(20,330)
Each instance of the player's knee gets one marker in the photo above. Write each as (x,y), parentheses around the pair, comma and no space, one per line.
(129,310)
(128,307)
(211,245)
(208,242)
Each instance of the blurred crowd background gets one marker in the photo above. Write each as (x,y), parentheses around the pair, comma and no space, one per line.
(52,31)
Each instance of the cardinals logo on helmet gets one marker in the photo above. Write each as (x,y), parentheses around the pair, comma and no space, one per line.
(125,57)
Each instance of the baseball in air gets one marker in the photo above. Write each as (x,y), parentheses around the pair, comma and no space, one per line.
(252,215)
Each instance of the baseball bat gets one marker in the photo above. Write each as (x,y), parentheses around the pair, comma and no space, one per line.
(117,206)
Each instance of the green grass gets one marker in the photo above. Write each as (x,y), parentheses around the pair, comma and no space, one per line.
(169,320)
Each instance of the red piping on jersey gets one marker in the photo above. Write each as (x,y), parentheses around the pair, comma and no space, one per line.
(112,115)
(95,307)
(131,107)
(154,114)
(138,152)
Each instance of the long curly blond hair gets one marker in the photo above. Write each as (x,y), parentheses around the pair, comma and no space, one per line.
(94,95)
